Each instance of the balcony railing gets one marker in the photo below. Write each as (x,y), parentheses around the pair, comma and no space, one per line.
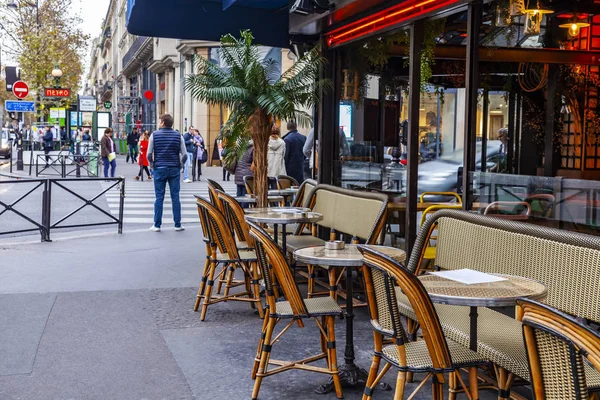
(133,50)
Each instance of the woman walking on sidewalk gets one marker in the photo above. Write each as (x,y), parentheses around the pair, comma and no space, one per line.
(143,157)
(107,152)
(201,155)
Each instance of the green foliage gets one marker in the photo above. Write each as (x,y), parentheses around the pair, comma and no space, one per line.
(58,40)
(250,86)
(373,56)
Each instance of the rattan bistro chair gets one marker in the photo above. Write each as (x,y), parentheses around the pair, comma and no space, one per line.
(434,354)
(223,251)
(556,346)
(286,182)
(323,310)
(249,183)
(213,186)
(429,255)
(234,214)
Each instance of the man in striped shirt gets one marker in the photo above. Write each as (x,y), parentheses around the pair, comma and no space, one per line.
(166,154)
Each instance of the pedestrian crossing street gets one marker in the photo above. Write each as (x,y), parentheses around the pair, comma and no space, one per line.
(139,202)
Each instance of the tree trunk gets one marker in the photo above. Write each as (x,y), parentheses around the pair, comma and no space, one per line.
(261,131)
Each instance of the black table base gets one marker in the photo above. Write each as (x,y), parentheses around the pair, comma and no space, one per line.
(350,374)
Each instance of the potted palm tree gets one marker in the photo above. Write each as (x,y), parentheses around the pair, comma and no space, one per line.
(258,95)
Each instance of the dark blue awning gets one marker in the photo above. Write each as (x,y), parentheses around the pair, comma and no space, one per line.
(206,19)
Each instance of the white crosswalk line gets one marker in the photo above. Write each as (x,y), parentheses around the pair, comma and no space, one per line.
(139,202)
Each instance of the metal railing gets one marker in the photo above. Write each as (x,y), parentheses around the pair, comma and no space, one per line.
(44,223)
(57,164)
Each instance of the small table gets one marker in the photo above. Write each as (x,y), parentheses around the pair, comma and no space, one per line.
(252,200)
(276,209)
(350,256)
(495,294)
(283,217)
(283,192)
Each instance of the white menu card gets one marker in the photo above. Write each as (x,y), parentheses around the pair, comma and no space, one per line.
(468,276)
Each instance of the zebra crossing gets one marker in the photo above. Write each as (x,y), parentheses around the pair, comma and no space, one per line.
(139,202)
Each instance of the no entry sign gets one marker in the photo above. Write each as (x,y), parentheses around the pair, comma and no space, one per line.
(20,89)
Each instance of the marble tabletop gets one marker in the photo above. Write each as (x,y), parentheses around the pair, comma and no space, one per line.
(283,192)
(252,200)
(349,256)
(282,216)
(276,209)
(494,294)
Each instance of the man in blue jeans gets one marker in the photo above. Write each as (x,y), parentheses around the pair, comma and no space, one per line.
(166,153)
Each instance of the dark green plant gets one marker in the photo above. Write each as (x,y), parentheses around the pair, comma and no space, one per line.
(257,95)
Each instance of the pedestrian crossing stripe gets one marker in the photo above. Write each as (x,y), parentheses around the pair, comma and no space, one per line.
(138,206)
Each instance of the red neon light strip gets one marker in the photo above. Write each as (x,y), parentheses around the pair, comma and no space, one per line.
(383,19)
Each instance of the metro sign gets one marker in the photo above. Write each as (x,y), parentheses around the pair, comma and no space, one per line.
(20,89)
(51,92)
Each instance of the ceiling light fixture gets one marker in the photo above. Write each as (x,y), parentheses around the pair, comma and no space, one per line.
(574,26)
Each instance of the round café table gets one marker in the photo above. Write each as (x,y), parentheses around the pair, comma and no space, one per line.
(494,294)
(283,216)
(350,374)
(252,200)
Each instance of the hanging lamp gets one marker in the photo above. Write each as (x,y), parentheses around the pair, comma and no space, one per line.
(574,26)
(534,17)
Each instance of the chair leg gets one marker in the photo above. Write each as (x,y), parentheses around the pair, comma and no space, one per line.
(374,375)
(254,271)
(332,357)
(264,357)
(332,283)
(504,379)
(202,284)
(453,384)
(209,287)
(220,282)
(400,385)
(473,383)
(260,344)
(437,389)
(311,280)
(228,278)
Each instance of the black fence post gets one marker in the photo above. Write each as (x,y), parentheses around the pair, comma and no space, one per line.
(63,166)
(77,159)
(11,155)
(46,206)
(121,204)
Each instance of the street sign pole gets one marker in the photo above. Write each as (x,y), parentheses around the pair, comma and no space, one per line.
(77,147)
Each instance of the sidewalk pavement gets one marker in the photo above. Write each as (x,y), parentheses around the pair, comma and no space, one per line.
(109,317)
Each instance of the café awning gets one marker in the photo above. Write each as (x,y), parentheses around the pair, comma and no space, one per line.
(268,20)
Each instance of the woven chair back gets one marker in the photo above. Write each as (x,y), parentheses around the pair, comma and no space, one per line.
(219,229)
(249,183)
(358,214)
(419,299)
(281,270)
(213,186)
(305,188)
(567,262)
(556,344)
(286,182)
(234,214)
